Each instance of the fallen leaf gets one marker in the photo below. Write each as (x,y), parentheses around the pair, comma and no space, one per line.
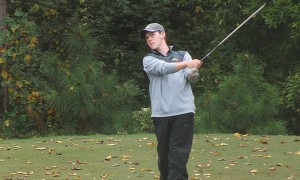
(51,150)
(80,162)
(108,158)
(264,141)
(126,156)
(193,178)
(144,169)
(268,156)
(291,177)
(134,163)
(259,149)
(49,173)
(40,148)
(215,153)
(17,147)
(100,142)
(279,164)
(75,168)
(254,171)
(204,165)
(242,145)
(232,163)
(297,153)
(222,144)
(237,135)
(157,177)
(111,144)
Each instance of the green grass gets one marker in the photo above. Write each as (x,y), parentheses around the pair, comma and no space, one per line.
(213,156)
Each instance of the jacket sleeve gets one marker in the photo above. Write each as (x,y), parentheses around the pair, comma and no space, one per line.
(190,73)
(158,67)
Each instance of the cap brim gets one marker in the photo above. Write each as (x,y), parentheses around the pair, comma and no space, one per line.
(144,31)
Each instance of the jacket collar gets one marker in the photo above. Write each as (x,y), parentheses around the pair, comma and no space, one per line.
(160,54)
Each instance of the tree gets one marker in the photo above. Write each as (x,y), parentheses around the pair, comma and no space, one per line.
(3,92)
(272,36)
(244,101)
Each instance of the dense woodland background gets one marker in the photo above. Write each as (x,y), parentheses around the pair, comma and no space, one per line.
(75,66)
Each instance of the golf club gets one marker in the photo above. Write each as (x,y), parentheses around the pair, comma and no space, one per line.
(206,56)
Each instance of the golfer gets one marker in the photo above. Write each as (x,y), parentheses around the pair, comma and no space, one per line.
(172,101)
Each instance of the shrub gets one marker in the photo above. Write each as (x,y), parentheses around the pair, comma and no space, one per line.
(142,121)
(243,102)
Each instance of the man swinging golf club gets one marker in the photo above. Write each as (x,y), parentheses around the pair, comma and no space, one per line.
(170,73)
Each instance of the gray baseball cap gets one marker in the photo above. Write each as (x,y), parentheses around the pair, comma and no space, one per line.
(153,27)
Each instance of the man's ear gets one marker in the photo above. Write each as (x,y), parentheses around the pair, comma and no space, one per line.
(163,34)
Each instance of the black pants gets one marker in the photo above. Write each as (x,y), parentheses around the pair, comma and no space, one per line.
(174,136)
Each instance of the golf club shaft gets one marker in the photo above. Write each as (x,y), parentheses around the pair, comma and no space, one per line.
(206,56)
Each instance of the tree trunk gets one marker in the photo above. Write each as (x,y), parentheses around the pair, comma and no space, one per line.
(3,91)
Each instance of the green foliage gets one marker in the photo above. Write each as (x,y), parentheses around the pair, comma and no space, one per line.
(122,102)
(142,121)
(82,92)
(291,93)
(19,61)
(86,57)
(15,125)
(243,101)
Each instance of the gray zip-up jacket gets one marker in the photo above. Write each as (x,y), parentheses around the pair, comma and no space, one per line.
(170,90)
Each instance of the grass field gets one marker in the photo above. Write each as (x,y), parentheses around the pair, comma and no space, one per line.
(118,157)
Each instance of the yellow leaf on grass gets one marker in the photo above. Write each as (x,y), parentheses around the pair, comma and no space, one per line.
(215,153)
(237,135)
(297,153)
(253,171)
(268,156)
(222,144)
(111,144)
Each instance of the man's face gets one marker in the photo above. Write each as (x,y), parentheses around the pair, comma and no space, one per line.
(154,39)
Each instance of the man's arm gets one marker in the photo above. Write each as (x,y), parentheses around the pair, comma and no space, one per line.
(195,63)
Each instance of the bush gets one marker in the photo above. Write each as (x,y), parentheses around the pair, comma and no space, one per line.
(142,121)
(244,102)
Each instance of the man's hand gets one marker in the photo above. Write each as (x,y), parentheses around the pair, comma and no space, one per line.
(195,63)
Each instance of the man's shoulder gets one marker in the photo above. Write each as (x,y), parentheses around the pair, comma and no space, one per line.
(154,55)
